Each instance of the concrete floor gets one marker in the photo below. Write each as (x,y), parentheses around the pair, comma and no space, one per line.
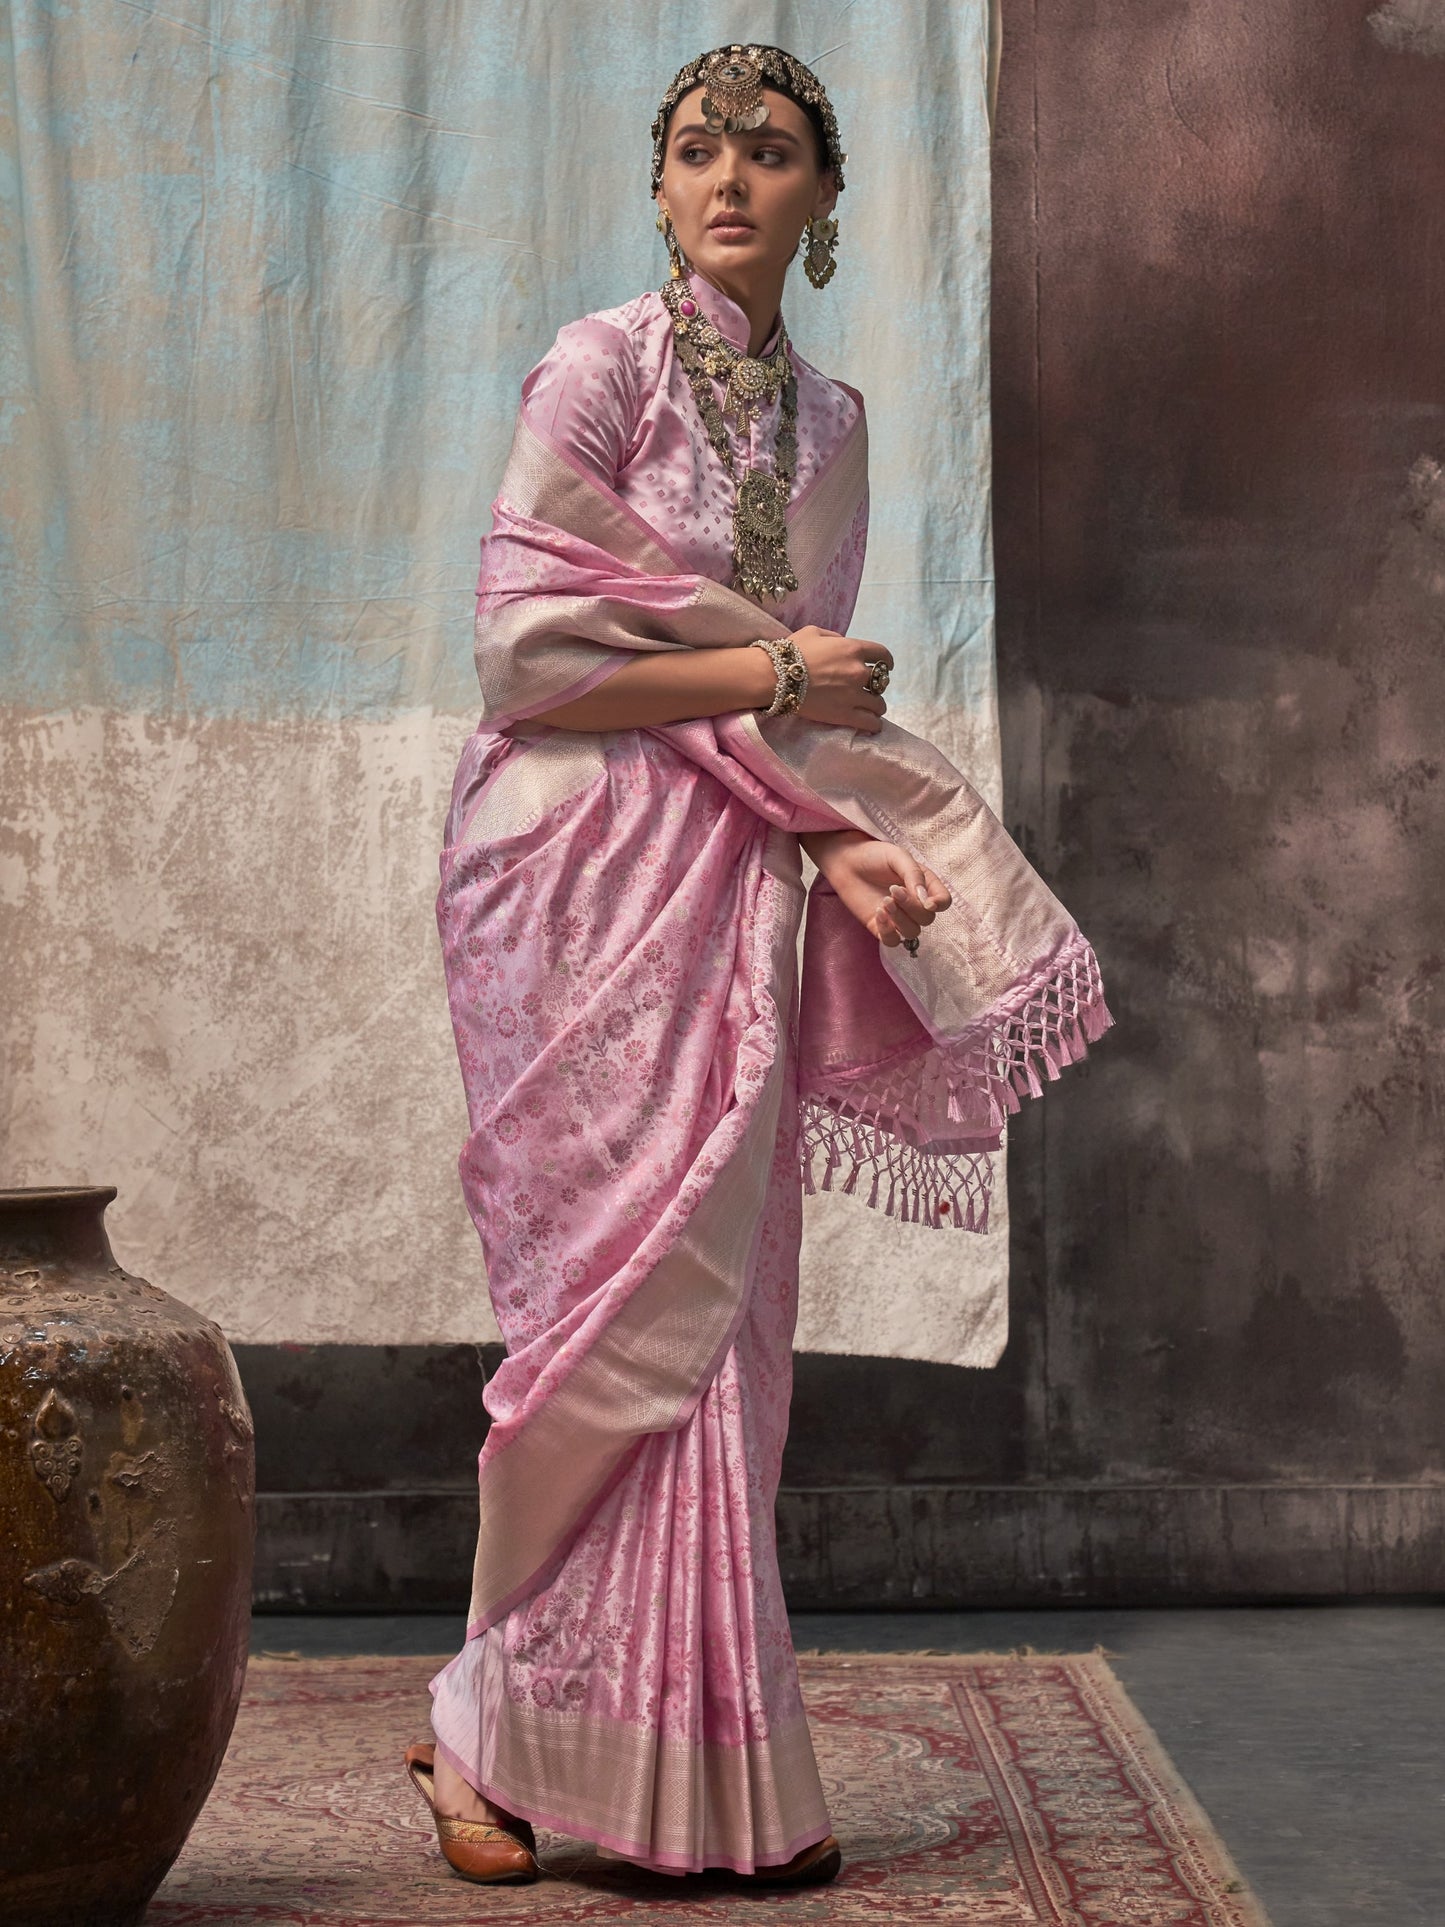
(1313,1736)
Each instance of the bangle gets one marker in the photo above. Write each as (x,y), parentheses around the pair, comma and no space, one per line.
(791,688)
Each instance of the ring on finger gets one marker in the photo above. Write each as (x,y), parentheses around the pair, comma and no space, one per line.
(910,944)
(876,681)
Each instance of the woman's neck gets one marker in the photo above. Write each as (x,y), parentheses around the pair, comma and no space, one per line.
(760,300)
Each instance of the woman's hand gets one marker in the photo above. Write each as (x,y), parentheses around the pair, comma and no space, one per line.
(889,893)
(837,672)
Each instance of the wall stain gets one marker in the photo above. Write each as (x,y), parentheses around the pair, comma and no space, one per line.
(1410,26)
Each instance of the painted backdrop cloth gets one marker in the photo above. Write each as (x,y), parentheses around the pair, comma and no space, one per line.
(619,915)
(270,280)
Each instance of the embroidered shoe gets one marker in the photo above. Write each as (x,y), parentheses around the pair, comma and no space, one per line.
(490,1855)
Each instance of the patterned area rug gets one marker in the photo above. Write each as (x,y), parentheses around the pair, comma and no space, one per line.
(1002,1791)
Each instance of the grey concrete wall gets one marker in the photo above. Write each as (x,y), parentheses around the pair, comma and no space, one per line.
(1219,364)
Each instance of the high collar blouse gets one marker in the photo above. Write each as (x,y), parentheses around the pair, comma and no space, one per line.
(612,392)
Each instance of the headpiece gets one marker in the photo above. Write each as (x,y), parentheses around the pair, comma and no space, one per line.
(732,79)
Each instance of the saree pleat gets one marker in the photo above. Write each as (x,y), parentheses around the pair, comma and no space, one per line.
(647,1698)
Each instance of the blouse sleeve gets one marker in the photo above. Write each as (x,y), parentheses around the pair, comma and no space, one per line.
(583,395)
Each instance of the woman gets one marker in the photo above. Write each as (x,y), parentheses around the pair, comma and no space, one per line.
(671,714)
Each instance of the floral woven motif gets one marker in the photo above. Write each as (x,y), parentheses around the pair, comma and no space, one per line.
(987,1791)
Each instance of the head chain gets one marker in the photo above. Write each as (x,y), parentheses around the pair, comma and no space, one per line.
(786,73)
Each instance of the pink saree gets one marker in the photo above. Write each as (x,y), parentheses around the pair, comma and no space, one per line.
(648,1095)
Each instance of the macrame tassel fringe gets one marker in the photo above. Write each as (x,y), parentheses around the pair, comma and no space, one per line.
(937,1188)
(871,1122)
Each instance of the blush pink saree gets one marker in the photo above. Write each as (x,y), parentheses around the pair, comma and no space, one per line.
(648,1096)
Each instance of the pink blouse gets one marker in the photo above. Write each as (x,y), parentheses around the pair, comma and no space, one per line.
(613,393)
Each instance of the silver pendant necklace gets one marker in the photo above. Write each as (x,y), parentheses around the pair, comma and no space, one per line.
(761,566)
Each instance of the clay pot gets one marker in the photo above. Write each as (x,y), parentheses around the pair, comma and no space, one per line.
(127,1474)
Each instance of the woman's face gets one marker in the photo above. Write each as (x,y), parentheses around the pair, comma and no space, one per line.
(739,202)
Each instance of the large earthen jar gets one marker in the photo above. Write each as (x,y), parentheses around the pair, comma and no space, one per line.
(127,1480)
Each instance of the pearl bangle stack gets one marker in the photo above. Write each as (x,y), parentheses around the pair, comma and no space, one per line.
(791,671)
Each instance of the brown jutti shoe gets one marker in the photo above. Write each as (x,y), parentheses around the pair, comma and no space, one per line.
(492,1856)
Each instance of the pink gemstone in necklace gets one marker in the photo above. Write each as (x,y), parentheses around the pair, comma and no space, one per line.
(689,308)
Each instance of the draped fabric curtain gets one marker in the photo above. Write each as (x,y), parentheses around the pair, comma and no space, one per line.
(270,279)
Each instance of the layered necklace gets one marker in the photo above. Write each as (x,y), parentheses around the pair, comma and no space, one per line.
(761,566)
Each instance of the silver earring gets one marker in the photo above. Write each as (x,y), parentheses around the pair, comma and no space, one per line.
(820,251)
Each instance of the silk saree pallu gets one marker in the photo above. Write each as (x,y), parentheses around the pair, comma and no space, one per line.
(646,1085)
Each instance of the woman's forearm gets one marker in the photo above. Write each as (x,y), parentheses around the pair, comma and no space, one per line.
(821,845)
(671,687)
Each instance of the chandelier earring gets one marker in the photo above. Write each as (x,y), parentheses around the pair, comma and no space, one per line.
(677,267)
(820,250)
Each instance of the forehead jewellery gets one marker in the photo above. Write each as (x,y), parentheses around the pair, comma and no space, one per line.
(761,566)
(732,79)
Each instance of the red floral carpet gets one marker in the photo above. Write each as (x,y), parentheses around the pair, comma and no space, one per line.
(985,1789)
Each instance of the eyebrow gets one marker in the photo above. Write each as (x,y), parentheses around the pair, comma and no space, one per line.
(694,128)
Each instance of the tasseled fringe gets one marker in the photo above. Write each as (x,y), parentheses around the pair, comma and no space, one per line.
(1048,1025)
(937,1188)
(1050,1028)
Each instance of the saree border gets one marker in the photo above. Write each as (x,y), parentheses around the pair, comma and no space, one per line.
(578,1795)
(539,774)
